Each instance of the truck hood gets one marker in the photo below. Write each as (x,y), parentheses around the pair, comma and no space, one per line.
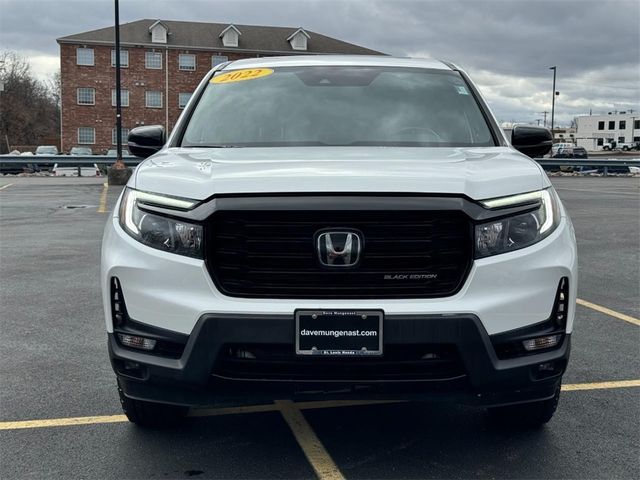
(478,173)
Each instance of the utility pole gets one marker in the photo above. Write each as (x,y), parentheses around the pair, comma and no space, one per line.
(118,99)
(553,98)
(545,117)
(538,120)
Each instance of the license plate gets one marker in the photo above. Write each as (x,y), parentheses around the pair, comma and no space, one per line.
(339,332)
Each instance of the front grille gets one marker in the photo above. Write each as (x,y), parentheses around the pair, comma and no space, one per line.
(278,362)
(272,254)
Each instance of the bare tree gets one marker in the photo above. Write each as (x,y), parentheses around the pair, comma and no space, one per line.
(29,109)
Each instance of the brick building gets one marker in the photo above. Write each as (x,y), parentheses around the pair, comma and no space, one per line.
(162,64)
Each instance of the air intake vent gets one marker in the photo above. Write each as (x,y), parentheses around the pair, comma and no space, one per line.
(118,307)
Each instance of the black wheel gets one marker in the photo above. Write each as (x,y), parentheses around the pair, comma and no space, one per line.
(534,414)
(151,414)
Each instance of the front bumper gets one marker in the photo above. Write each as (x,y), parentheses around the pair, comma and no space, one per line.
(193,378)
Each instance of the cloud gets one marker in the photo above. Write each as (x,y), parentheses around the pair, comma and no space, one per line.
(506,46)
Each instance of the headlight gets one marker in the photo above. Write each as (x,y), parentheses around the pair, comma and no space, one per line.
(519,231)
(157,231)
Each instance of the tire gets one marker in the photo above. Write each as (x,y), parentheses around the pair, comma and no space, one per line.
(151,414)
(527,415)
(605,148)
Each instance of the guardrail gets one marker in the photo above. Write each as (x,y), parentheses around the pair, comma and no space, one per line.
(64,160)
(589,162)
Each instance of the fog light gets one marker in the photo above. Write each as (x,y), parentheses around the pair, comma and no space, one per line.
(541,342)
(134,341)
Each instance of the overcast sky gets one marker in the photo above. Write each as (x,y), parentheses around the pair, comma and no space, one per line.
(507,46)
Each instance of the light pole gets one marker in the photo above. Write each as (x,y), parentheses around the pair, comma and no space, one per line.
(553,98)
(118,100)
(118,174)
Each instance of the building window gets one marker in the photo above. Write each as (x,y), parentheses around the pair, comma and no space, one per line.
(230,36)
(153,60)
(183,99)
(600,141)
(124,58)
(620,139)
(612,125)
(218,59)
(86,96)
(636,124)
(186,61)
(600,125)
(124,98)
(636,139)
(159,33)
(623,124)
(86,135)
(84,56)
(153,99)
(124,135)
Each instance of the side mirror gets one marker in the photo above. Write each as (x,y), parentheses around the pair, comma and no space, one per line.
(532,141)
(145,141)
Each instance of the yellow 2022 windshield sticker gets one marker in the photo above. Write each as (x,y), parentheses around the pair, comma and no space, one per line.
(241,75)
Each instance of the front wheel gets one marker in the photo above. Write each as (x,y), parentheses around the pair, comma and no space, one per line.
(534,414)
(151,414)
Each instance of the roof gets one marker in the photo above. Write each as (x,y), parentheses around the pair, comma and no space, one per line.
(336,60)
(203,35)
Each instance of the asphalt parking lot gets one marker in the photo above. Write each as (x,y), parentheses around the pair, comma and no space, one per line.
(60,416)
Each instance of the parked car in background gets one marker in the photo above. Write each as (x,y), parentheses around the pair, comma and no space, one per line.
(580,152)
(47,150)
(609,146)
(80,151)
(629,146)
(559,146)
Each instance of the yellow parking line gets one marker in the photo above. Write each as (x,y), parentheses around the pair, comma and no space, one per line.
(103,199)
(316,454)
(6,186)
(62,422)
(608,311)
(600,385)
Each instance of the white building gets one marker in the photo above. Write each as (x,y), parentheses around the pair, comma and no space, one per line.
(595,130)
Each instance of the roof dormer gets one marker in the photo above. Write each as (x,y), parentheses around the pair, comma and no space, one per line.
(230,36)
(298,39)
(159,32)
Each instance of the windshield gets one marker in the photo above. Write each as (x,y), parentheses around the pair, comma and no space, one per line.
(338,106)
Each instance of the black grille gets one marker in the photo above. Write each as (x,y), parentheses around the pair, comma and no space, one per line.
(279,362)
(272,254)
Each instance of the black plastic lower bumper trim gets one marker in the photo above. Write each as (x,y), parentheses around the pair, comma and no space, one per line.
(189,380)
